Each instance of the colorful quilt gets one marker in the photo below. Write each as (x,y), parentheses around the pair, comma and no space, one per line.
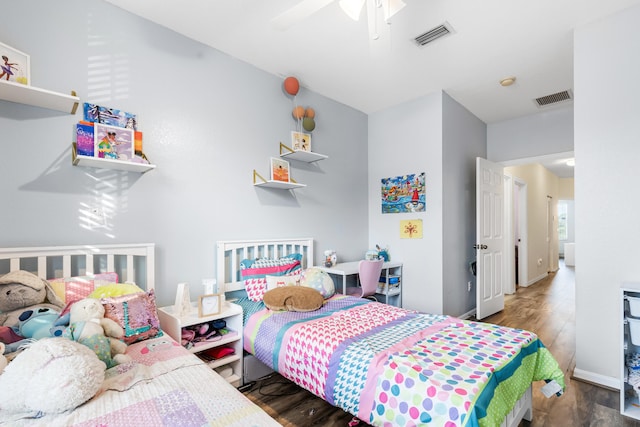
(391,366)
(164,385)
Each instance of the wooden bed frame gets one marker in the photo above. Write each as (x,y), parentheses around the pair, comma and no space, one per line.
(229,255)
(134,263)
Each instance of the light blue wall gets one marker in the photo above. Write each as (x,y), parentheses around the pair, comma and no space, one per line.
(464,137)
(545,133)
(208,120)
(436,135)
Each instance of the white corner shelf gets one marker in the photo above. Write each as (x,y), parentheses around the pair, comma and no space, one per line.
(300,155)
(30,95)
(96,162)
(274,184)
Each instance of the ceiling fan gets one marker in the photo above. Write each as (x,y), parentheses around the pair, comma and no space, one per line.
(353,9)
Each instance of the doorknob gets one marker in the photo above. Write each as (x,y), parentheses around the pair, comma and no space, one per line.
(477,246)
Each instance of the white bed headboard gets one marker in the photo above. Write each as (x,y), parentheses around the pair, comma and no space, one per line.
(132,262)
(231,252)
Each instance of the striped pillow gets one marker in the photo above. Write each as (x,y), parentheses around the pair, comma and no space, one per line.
(255,272)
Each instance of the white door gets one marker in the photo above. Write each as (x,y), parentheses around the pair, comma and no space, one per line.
(489,238)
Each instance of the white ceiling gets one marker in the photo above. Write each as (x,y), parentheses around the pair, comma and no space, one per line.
(333,55)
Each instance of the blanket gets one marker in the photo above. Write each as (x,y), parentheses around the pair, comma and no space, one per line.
(391,366)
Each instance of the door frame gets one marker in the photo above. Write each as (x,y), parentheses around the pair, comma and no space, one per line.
(509,235)
(521,187)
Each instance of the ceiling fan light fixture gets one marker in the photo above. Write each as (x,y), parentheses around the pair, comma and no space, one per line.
(352,8)
(391,7)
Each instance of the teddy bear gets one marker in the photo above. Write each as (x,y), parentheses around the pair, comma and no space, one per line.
(20,291)
(88,326)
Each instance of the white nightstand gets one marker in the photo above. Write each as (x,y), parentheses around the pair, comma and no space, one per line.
(232,314)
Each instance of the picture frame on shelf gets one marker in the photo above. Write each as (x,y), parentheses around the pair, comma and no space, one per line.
(15,65)
(112,142)
(300,141)
(280,170)
(208,305)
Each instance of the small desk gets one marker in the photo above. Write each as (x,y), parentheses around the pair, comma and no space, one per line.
(345,269)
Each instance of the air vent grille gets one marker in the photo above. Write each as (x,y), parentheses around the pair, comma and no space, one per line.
(544,101)
(433,34)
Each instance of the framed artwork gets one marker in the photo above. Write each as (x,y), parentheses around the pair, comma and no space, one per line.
(109,116)
(208,305)
(404,193)
(411,229)
(112,142)
(279,170)
(15,65)
(300,141)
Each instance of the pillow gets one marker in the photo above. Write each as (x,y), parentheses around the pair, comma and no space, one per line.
(293,298)
(135,313)
(279,281)
(319,280)
(254,272)
(72,289)
(115,290)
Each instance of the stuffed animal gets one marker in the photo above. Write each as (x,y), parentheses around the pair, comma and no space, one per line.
(37,323)
(3,359)
(51,375)
(88,326)
(20,291)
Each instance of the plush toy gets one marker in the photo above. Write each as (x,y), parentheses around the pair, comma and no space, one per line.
(37,323)
(88,326)
(293,298)
(20,291)
(3,359)
(51,375)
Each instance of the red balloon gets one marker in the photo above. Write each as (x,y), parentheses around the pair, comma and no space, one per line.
(291,85)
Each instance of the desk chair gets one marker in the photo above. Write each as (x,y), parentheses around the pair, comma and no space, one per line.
(369,275)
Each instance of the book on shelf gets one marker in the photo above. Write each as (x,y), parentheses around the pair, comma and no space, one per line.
(84,139)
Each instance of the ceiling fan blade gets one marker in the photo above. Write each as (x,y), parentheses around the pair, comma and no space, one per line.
(297,13)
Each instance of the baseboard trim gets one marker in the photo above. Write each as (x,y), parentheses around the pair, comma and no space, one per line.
(535,279)
(596,379)
(468,314)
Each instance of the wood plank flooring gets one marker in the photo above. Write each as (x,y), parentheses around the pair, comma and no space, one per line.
(546,308)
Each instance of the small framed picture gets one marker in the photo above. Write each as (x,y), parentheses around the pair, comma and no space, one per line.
(279,170)
(301,141)
(112,142)
(208,305)
(15,65)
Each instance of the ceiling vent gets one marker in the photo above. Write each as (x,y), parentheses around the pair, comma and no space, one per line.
(434,34)
(545,101)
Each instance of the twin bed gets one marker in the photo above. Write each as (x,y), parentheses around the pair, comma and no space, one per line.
(164,385)
(383,364)
(386,365)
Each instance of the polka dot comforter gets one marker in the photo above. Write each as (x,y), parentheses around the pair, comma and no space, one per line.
(390,366)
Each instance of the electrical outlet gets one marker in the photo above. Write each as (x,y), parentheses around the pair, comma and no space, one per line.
(469,286)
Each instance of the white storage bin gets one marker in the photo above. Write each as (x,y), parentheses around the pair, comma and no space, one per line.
(634,306)
(634,330)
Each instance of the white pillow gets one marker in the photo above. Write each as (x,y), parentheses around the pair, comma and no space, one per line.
(280,281)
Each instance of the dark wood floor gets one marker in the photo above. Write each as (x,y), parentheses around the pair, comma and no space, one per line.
(546,308)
